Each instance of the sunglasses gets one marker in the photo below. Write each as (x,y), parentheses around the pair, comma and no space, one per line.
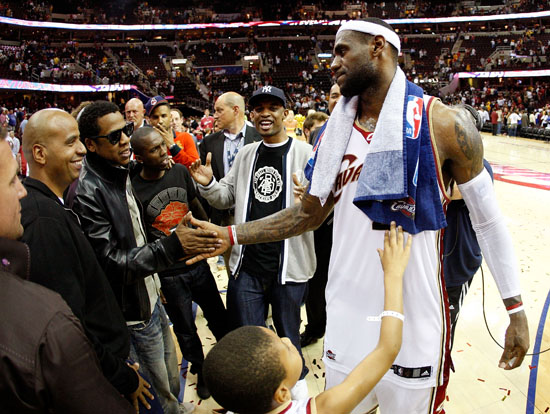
(114,137)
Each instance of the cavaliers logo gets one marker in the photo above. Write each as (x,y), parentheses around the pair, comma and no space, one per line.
(268,184)
(415,106)
(407,207)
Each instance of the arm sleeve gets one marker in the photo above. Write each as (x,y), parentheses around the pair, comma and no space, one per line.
(68,278)
(131,264)
(493,236)
(68,372)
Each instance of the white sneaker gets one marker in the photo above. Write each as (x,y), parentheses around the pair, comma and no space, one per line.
(187,408)
(300,391)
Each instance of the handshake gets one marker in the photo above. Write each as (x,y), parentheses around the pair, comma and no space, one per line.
(202,240)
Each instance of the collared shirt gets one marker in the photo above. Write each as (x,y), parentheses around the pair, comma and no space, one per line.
(231,146)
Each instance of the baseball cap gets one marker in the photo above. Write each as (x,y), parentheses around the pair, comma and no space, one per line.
(154,102)
(268,90)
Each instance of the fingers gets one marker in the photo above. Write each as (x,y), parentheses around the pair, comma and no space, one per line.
(135,403)
(200,257)
(208,159)
(187,218)
(408,245)
(144,401)
(296,180)
(511,358)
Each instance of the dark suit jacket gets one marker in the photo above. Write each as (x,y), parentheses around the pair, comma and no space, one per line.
(214,143)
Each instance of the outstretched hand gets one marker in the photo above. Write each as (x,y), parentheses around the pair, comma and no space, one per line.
(394,257)
(196,241)
(223,236)
(202,174)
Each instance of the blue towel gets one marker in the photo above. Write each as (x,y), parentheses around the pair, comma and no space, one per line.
(398,183)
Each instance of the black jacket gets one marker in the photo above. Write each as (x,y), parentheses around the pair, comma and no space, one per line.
(214,143)
(46,362)
(63,260)
(100,203)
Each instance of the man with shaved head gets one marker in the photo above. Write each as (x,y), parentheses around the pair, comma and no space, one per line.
(135,112)
(47,364)
(61,256)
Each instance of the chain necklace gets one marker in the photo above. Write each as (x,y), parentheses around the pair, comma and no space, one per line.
(369,124)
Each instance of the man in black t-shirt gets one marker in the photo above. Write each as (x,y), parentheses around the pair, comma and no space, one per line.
(260,183)
(167,195)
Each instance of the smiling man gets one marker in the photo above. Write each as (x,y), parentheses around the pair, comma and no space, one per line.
(258,184)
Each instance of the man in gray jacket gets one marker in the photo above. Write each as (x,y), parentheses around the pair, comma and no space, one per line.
(261,183)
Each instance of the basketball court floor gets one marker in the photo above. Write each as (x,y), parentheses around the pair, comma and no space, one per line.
(522,185)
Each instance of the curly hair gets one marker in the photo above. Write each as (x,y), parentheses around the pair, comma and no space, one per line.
(87,123)
(243,371)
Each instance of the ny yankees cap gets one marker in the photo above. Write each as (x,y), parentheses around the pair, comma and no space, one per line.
(268,90)
(154,102)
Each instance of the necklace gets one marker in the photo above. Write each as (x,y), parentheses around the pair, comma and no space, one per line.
(369,124)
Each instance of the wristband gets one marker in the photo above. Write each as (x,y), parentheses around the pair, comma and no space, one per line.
(392,314)
(231,239)
(515,308)
(232,235)
(234,232)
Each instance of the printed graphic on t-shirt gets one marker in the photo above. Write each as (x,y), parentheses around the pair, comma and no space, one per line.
(268,184)
(168,209)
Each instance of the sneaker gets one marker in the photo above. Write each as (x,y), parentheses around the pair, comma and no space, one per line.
(202,389)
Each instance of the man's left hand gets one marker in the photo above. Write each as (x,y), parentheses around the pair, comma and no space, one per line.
(516,342)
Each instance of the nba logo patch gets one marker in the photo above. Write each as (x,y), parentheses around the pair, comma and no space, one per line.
(415,106)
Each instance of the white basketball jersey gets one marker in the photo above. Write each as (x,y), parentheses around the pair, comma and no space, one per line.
(355,288)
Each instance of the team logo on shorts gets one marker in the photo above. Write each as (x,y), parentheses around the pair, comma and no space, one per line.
(414,117)
(268,184)
(331,355)
(407,207)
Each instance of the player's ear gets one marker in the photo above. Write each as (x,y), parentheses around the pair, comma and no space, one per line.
(282,394)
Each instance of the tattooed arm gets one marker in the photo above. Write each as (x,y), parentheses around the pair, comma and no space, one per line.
(460,150)
(292,221)
(459,144)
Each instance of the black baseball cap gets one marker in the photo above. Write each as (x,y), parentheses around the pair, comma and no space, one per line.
(268,90)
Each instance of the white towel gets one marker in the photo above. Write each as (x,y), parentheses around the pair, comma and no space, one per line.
(384,161)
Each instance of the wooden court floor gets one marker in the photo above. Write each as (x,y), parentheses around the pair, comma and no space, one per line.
(522,185)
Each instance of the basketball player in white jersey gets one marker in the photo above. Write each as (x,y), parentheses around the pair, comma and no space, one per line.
(365,66)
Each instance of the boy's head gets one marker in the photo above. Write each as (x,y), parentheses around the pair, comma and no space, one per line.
(252,370)
(150,149)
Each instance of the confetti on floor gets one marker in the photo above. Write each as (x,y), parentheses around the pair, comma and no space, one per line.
(482,380)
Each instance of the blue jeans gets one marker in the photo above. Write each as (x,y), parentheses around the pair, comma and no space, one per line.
(248,298)
(196,284)
(153,348)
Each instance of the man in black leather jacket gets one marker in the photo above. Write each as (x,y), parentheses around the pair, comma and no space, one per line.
(112,219)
